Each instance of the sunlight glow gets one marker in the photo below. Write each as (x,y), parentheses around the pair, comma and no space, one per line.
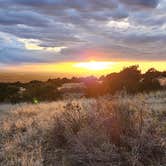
(93,65)
(32,44)
(69,69)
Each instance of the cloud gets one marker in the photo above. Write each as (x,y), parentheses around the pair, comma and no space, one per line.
(63,30)
(143,3)
(23,17)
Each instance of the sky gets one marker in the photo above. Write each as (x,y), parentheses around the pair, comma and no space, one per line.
(59,35)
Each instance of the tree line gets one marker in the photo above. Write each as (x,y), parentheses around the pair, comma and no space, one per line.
(130,79)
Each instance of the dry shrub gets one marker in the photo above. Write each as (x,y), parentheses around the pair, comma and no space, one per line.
(106,132)
(115,133)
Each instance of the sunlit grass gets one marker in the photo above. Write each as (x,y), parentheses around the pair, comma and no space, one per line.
(127,130)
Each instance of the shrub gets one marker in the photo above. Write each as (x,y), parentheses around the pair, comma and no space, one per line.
(119,130)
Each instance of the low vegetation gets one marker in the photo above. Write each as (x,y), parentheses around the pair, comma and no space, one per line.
(122,130)
(129,79)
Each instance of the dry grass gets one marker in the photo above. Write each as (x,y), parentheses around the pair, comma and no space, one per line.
(123,130)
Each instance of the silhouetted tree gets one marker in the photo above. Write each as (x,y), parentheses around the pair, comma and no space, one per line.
(127,79)
(130,79)
(150,80)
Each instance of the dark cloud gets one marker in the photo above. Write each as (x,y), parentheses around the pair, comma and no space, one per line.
(144,3)
(23,17)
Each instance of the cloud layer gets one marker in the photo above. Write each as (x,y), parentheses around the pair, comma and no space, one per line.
(62,30)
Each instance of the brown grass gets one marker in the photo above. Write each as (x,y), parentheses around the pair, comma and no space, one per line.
(124,131)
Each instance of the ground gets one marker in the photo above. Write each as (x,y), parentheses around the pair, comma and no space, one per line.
(121,130)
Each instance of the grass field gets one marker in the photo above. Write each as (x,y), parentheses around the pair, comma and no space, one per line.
(109,131)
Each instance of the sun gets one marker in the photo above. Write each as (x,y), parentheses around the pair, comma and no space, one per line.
(94,66)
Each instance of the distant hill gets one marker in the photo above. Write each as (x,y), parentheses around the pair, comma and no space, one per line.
(26,77)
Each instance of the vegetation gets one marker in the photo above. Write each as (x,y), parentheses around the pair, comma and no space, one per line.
(120,130)
(129,79)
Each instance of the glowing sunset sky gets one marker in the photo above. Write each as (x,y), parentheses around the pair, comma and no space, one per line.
(82,36)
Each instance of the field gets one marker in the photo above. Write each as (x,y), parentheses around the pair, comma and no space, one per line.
(109,131)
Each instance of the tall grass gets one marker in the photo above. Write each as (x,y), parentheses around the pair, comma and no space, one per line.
(120,130)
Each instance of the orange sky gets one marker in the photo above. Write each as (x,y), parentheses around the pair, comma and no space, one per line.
(96,68)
